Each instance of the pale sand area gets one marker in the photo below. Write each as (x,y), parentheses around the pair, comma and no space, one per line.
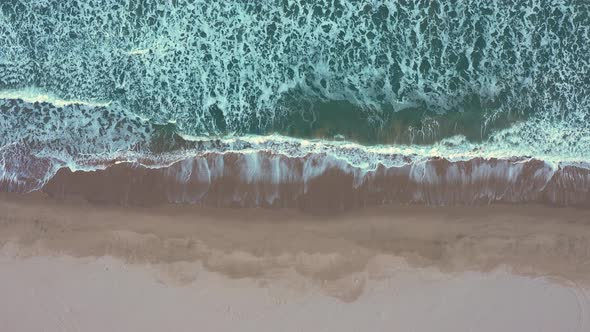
(72,266)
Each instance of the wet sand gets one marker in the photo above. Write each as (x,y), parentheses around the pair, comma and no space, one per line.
(71,265)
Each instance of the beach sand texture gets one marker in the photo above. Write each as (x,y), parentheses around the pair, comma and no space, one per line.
(75,266)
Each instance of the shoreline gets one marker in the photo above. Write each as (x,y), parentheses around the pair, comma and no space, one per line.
(316,182)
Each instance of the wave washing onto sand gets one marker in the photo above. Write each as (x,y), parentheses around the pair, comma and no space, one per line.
(276,171)
(108,155)
(315,175)
(118,157)
(324,182)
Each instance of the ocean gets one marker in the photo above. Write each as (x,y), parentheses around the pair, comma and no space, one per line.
(315,104)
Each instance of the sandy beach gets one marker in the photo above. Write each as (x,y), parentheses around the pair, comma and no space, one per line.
(76,266)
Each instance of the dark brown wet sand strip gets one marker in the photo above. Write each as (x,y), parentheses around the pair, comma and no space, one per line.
(318,183)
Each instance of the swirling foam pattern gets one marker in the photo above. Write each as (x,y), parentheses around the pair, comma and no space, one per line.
(115,71)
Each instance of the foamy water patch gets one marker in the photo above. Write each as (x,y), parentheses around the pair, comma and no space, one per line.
(34,95)
(218,66)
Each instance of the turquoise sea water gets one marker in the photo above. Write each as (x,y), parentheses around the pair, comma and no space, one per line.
(91,79)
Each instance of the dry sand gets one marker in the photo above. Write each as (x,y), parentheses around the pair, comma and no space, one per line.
(73,266)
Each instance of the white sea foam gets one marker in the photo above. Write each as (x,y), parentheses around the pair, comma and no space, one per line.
(35,95)
(178,60)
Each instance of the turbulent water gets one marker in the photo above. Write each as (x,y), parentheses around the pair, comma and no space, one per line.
(355,86)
